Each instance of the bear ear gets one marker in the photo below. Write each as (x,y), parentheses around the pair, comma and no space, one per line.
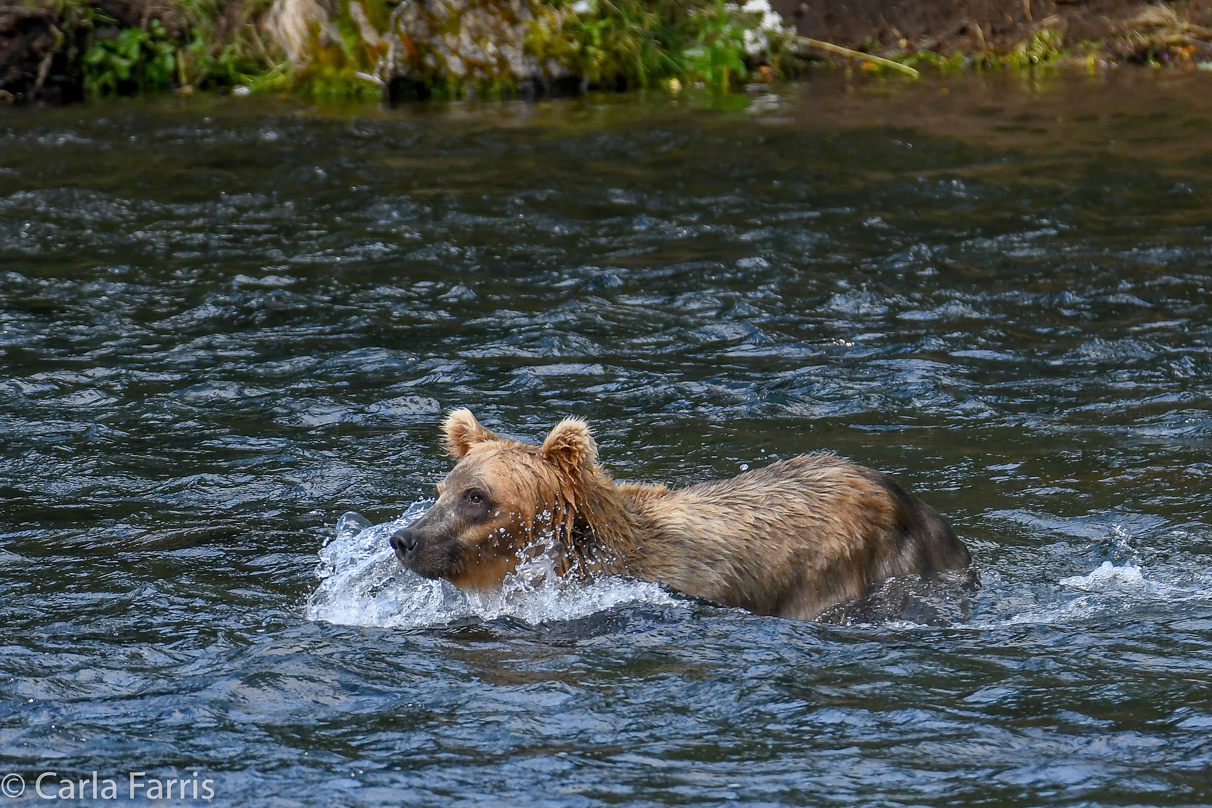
(463,431)
(570,446)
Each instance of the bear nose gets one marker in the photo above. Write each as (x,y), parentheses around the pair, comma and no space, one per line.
(403,541)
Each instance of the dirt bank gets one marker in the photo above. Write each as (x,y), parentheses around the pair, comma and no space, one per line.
(1120,30)
(33,62)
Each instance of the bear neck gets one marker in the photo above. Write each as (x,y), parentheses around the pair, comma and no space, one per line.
(602,527)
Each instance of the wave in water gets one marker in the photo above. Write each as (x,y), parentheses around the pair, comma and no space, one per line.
(362,584)
(1109,588)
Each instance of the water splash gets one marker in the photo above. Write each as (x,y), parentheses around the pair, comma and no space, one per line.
(362,584)
(1110,578)
(1110,587)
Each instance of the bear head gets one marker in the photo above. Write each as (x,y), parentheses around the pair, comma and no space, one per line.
(503,502)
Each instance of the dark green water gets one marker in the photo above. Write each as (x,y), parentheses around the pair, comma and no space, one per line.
(225,323)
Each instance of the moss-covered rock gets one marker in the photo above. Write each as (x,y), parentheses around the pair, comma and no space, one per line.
(460,47)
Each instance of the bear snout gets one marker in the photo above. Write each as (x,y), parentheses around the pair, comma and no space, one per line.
(419,550)
(403,541)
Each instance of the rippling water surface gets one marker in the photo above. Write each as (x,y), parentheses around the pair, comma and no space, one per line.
(223,324)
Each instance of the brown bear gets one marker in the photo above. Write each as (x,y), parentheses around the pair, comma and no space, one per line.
(793,539)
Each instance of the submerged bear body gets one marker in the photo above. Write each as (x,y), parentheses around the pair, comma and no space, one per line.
(793,539)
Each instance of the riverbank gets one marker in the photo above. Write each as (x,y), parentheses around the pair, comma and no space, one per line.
(973,33)
(58,51)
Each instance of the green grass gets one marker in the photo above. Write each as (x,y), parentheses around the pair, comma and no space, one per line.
(632,43)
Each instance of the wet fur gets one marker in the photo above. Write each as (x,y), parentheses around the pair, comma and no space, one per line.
(793,539)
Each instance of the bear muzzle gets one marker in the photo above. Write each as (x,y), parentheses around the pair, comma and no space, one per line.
(404,542)
(419,551)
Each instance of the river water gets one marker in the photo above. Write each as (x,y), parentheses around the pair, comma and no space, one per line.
(226,323)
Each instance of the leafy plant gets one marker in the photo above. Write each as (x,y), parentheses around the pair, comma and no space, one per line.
(1045,47)
(718,54)
(136,60)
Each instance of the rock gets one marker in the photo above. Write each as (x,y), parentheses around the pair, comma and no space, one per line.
(460,47)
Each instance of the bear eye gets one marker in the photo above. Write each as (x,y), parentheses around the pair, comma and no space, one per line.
(475,497)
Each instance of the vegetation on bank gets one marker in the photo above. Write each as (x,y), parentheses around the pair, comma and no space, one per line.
(371,49)
(1157,37)
(509,48)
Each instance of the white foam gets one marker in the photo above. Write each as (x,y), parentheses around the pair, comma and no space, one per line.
(1109,587)
(1110,578)
(362,584)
